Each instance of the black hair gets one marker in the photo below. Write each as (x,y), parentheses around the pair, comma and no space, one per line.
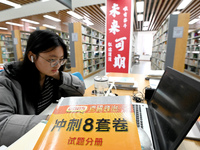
(39,41)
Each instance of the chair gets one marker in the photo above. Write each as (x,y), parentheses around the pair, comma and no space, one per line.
(78,74)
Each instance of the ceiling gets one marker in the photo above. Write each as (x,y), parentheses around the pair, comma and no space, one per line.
(155,11)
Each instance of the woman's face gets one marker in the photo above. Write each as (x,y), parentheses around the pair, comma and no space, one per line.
(44,66)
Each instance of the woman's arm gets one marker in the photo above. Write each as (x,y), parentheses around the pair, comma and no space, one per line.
(13,121)
(71,85)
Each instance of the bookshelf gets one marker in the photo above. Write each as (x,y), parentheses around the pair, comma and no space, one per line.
(65,37)
(168,50)
(24,38)
(134,55)
(87,47)
(21,38)
(6,48)
(192,58)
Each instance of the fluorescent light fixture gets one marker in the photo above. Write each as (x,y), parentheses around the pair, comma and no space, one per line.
(146,23)
(194,21)
(88,22)
(183,4)
(45,0)
(103,8)
(10,3)
(2,28)
(51,18)
(75,15)
(176,12)
(30,27)
(140,17)
(15,24)
(30,21)
(145,28)
(49,26)
(140,6)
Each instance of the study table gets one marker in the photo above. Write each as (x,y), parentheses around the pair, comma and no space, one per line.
(187,144)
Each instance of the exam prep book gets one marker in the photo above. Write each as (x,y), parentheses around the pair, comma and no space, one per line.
(90,123)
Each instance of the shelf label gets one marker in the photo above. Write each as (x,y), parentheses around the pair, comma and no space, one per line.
(74,37)
(15,41)
(119,27)
(178,32)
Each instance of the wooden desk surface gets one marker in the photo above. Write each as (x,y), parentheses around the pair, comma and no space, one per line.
(187,144)
(140,78)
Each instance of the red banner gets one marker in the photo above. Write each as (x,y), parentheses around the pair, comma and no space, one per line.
(119,26)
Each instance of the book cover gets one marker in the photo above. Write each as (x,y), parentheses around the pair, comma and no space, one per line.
(90,123)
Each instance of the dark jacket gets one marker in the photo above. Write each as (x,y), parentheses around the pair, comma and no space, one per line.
(17,113)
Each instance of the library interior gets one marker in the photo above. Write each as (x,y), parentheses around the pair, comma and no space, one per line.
(143,52)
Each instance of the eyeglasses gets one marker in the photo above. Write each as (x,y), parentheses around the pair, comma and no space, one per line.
(54,62)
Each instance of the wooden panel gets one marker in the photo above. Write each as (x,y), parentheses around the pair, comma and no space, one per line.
(181,43)
(1,59)
(18,46)
(78,49)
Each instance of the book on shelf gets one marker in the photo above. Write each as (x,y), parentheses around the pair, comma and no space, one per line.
(89,123)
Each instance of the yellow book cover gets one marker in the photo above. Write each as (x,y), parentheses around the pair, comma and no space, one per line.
(88,123)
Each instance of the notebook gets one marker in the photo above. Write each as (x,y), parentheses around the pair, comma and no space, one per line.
(172,110)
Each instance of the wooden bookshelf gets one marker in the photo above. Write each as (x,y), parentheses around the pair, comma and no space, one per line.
(21,38)
(167,50)
(192,58)
(6,48)
(24,39)
(87,47)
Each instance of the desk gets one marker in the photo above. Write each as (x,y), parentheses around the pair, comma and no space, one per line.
(140,78)
(187,144)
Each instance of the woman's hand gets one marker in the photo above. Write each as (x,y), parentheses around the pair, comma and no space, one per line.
(48,117)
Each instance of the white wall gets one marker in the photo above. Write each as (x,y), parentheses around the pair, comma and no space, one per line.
(144,44)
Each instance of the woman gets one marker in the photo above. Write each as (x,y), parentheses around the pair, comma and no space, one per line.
(30,86)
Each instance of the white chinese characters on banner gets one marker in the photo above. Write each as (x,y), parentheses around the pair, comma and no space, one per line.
(114,27)
(120,43)
(125,16)
(109,51)
(114,12)
(119,61)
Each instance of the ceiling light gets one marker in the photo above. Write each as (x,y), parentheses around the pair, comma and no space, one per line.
(176,12)
(140,17)
(30,21)
(146,23)
(194,21)
(140,6)
(145,28)
(2,28)
(15,24)
(183,4)
(49,26)
(10,3)
(45,0)
(30,27)
(103,8)
(51,18)
(75,15)
(88,22)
